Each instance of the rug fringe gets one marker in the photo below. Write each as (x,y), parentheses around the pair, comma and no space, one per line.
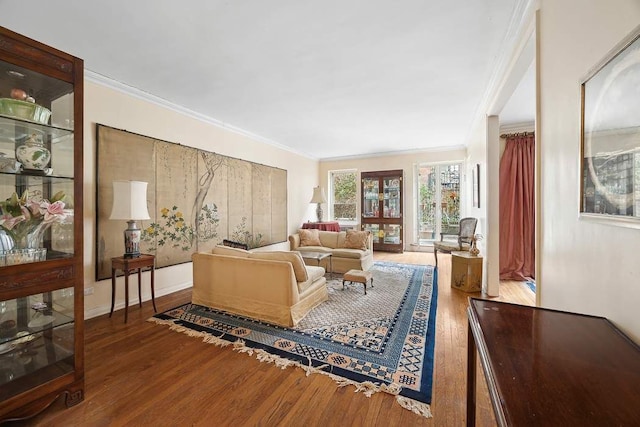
(206,337)
(367,388)
(423,409)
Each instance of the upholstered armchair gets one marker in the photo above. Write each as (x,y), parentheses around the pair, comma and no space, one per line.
(464,236)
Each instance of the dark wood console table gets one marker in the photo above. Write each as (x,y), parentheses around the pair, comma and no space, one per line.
(552,368)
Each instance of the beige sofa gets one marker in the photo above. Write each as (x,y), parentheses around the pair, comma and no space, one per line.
(275,287)
(343,258)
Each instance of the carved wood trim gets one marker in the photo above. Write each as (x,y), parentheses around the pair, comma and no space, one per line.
(25,279)
(74,397)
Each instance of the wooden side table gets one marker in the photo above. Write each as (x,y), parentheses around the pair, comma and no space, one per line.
(127,265)
(466,271)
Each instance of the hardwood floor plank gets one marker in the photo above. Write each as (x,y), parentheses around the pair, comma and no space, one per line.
(143,374)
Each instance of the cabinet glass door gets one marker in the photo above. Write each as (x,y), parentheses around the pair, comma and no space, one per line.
(391,197)
(371,198)
(36,340)
(382,208)
(41,269)
(375,231)
(392,233)
(36,166)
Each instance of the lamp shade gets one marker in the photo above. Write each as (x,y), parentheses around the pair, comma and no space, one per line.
(318,195)
(129,200)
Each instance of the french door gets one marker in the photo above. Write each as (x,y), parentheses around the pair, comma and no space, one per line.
(438,201)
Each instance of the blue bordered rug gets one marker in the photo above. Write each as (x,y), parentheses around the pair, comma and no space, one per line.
(531,284)
(385,342)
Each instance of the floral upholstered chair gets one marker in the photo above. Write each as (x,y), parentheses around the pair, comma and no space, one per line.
(462,243)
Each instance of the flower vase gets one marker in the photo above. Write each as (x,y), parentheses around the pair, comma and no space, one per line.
(473,250)
(36,237)
(27,247)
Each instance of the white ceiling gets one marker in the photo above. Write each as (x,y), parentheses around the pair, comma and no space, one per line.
(325,78)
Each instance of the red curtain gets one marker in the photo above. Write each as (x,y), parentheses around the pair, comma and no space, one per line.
(517,215)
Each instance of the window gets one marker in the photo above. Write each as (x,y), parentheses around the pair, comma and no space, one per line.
(343,198)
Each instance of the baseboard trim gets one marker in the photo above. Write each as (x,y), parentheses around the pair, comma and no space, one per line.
(104,309)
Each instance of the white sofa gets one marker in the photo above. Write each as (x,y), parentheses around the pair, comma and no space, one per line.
(343,258)
(275,287)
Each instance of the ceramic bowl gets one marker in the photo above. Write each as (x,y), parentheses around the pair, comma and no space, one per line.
(24,110)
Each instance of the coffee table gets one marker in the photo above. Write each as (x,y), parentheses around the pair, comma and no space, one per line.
(318,257)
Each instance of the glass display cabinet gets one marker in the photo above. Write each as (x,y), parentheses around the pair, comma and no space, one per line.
(41,244)
(382,208)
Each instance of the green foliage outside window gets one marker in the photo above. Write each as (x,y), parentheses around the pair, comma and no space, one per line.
(344,195)
(427,201)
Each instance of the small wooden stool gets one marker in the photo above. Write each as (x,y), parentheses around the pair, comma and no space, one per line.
(358,276)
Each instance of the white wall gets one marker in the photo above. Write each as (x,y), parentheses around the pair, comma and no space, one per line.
(485,146)
(114,108)
(477,153)
(407,163)
(584,266)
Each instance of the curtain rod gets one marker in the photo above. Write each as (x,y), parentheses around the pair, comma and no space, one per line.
(509,135)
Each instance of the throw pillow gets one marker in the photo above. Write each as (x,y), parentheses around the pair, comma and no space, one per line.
(309,237)
(356,239)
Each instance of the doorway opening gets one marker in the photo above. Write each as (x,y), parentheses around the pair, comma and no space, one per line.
(438,201)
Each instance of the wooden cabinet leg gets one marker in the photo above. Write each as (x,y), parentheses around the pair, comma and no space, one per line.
(140,287)
(153,292)
(126,295)
(74,397)
(113,290)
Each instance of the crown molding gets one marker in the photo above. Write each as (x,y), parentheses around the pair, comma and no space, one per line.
(395,153)
(108,82)
(521,26)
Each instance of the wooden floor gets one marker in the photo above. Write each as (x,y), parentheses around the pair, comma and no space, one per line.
(142,374)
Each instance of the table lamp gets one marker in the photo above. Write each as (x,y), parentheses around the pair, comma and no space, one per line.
(130,204)
(319,198)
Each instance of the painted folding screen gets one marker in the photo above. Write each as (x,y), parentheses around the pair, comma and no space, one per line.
(195,199)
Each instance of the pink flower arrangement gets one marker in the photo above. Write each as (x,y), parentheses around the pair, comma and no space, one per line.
(22,216)
(54,212)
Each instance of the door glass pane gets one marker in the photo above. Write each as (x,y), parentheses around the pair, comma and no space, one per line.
(449,198)
(439,202)
(391,197)
(371,206)
(427,203)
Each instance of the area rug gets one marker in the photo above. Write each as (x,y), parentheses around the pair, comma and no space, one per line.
(531,284)
(382,341)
